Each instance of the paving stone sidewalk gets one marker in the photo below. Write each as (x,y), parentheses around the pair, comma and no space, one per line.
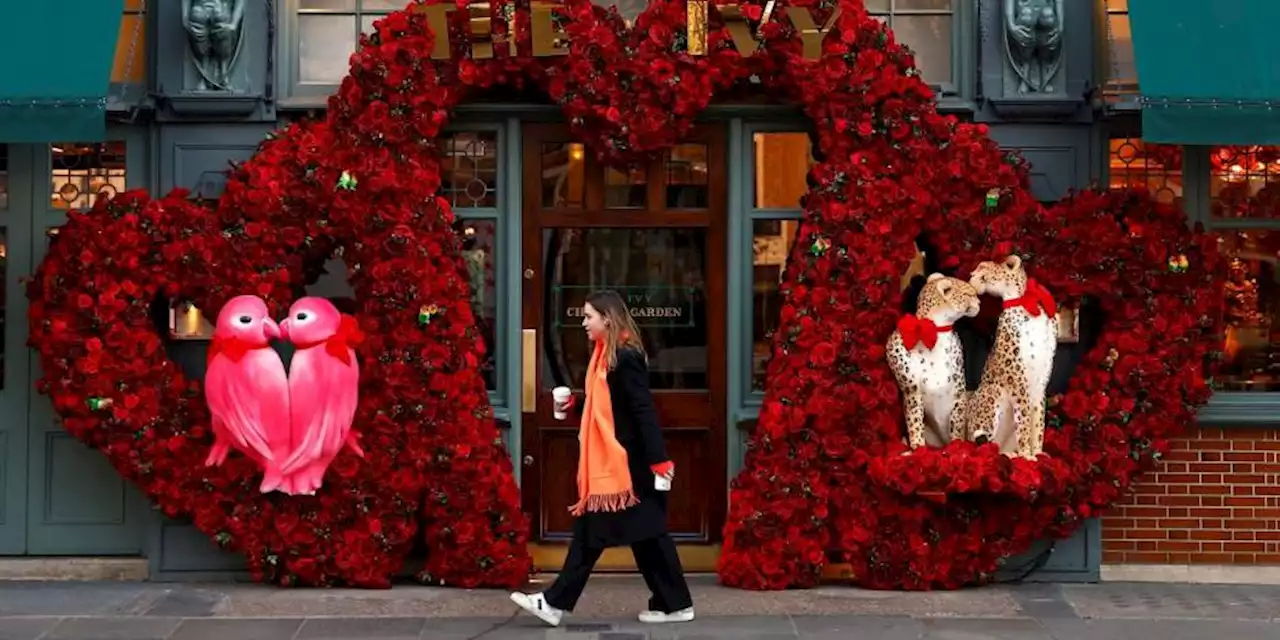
(1113,611)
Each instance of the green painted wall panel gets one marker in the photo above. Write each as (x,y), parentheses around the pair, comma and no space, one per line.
(61,498)
(15,225)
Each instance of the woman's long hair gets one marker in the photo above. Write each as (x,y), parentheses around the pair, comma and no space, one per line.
(620,329)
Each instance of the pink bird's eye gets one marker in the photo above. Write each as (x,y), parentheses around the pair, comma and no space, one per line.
(245,319)
(302,316)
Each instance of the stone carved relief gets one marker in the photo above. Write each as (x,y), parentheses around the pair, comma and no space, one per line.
(1033,31)
(215,35)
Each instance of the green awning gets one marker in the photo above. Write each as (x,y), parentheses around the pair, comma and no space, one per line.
(56,70)
(1207,71)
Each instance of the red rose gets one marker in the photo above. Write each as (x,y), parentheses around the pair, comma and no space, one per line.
(824,354)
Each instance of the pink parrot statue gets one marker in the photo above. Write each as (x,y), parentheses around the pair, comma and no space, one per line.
(324,381)
(246,387)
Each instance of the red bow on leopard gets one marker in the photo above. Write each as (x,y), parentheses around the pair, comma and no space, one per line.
(919,330)
(1035,297)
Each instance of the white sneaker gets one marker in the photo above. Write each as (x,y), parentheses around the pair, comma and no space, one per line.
(536,604)
(658,617)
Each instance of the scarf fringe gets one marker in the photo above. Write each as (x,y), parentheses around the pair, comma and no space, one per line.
(606,503)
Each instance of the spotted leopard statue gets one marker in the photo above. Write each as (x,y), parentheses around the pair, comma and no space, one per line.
(927,359)
(1008,406)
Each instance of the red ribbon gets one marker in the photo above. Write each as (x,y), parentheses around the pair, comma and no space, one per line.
(919,330)
(234,348)
(347,337)
(1035,297)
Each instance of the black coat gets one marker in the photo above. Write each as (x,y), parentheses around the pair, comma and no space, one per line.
(635,421)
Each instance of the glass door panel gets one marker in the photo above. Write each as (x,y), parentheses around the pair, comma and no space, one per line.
(659,272)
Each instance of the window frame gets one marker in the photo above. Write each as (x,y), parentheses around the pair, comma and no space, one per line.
(964,43)
(123,95)
(956,94)
(502,353)
(289,50)
(744,401)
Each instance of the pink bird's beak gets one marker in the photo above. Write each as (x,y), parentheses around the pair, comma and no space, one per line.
(271,330)
(282,330)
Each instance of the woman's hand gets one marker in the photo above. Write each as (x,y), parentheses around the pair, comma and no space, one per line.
(665,469)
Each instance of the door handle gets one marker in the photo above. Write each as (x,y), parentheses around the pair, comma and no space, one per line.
(529,370)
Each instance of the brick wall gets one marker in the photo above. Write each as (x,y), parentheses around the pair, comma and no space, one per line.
(1214,500)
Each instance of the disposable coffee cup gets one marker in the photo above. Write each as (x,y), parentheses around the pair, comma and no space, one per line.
(560,396)
(661,482)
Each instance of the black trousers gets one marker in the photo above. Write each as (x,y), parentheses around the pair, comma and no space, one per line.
(656,559)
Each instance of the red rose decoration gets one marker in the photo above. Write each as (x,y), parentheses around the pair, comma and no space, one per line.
(823,478)
(105,365)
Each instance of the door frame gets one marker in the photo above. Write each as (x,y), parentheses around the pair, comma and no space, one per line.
(715,220)
(15,397)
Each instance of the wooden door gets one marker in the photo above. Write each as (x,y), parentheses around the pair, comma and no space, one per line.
(657,235)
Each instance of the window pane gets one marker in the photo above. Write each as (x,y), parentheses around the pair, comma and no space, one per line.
(1121,69)
(920,5)
(186,322)
(4,279)
(782,162)
(879,6)
(479,253)
(327,5)
(81,171)
(325,45)
(130,62)
(929,37)
(564,183)
(470,164)
(626,188)
(685,172)
(770,246)
(1252,309)
(660,274)
(384,6)
(1244,182)
(4,176)
(1158,167)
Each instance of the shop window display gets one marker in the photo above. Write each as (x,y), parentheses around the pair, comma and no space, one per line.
(1243,184)
(80,172)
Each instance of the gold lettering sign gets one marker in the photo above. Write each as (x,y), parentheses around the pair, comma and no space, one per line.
(482,33)
(549,40)
(810,34)
(696,27)
(743,40)
(438,18)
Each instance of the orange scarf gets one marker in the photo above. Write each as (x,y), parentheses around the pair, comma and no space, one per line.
(604,478)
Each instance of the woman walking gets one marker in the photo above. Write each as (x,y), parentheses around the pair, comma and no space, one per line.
(623,475)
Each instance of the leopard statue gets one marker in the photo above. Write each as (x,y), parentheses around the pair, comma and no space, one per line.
(928,361)
(1008,406)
